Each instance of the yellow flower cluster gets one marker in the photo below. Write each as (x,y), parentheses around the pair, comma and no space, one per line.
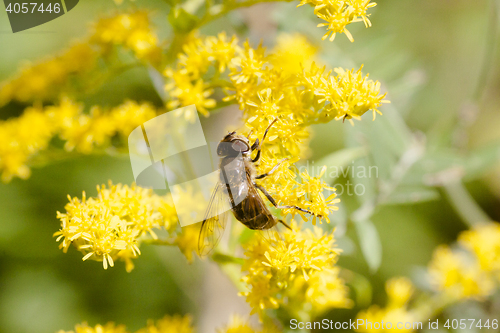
(187,85)
(474,274)
(266,88)
(173,324)
(168,324)
(297,273)
(130,30)
(399,291)
(24,137)
(111,226)
(237,324)
(484,242)
(21,138)
(108,328)
(47,79)
(84,132)
(303,191)
(339,13)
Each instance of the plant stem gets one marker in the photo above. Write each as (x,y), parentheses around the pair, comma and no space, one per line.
(230,7)
(464,204)
(489,52)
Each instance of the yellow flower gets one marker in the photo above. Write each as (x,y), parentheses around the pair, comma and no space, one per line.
(108,328)
(484,242)
(374,316)
(130,115)
(45,79)
(339,13)
(20,139)
(458,276)
(345,96)
(248,64)
(292,53)
(169,324)
(297,272)
(185,93)
(132,30)
(222,50)
(399,291)
(84,132)
(187,241)
(237,325)
(109,226)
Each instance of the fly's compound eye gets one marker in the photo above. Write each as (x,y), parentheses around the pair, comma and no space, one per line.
(240,146)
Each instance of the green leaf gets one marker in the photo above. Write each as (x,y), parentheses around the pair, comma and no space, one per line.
(411,194)
(336,162)
(481,159)
(370,244)
(182,22)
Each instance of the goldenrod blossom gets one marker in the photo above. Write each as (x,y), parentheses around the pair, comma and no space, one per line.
(20,138)
(484,242)
(130,30)
(45,79)
(169,324)
(108,328)
(27,136)
(458,276)
(292,53)
(109,226)
(339,13)
(297,272)
(399,292)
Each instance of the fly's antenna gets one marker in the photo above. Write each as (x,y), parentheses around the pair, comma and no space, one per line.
(268,127)
(248,136)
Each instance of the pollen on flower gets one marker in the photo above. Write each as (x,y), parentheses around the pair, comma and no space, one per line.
(110,226)
(295,272)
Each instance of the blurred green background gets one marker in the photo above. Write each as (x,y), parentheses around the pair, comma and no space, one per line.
(429,55)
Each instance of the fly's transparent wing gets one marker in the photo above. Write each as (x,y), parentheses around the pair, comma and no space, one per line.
(214,222)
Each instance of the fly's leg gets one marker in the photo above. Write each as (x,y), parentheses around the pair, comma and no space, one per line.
(272,170)
(271,199)
(256,144)
(285,224)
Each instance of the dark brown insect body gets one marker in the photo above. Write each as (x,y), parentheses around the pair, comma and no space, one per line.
(237,185)
(237,175)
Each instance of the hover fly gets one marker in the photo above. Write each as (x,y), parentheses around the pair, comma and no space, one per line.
(237,186)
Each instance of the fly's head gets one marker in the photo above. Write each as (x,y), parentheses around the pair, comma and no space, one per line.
(233,145)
